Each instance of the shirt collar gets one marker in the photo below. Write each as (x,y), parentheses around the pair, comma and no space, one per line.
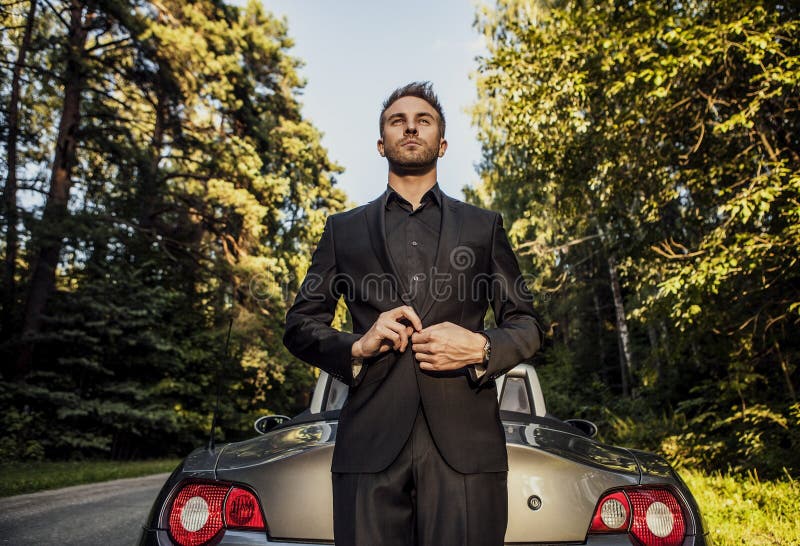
(435,193)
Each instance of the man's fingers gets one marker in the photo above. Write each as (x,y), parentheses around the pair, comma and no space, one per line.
(393,325)
(431,328)
(409,333)
(400,329)
(422,347)
(397,334)
(389,334)
(420,337)
(403,340)
(408,312)
(425,357)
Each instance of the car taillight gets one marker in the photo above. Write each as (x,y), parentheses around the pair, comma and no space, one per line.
(613,514)
(658,518)
(242,510)
(200,511)
(652,515)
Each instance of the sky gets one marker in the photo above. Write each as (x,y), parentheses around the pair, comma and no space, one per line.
(356,52)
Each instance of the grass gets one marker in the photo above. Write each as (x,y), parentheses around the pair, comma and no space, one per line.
(743,510)
(17,478)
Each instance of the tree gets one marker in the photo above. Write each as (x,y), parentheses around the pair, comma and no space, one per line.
(195,185)
(10,189)
(657,141)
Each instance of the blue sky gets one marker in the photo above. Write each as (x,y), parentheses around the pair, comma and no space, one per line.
(357,51)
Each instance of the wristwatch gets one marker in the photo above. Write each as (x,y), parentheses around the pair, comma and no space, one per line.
(487,350)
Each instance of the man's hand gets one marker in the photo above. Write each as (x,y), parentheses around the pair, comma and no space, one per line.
(447,346)
(391,331)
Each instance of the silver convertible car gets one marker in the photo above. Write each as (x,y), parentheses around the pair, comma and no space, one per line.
(564,486)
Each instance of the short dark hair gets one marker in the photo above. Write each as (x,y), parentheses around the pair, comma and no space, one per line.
(421,90)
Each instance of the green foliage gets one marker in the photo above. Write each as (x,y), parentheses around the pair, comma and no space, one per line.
(757,437)
(743,509)
(656,141)
(28,477)
(197,195)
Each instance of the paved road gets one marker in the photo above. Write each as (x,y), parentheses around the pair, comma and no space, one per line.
(99,514)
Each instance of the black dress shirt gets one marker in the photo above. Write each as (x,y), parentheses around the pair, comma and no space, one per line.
(412,236)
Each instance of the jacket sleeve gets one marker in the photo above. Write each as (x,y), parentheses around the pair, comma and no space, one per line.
(309,335)
(518,334)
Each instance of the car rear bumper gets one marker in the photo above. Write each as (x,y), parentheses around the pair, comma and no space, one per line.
(623,540)
(152,537)
(245,538)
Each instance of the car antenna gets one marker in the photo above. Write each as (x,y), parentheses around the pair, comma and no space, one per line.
(219,387)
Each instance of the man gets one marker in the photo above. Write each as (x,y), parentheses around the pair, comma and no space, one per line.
(420,453)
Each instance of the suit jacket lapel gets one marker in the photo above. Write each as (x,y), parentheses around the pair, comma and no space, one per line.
(448,239)
(376,227)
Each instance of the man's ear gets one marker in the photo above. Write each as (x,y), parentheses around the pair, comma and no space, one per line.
(442,147)
(380,147)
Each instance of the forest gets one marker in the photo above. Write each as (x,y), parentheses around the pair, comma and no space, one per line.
(161,188)
(160,185)
(647,155)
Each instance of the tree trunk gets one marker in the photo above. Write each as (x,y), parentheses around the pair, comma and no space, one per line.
(55,210)
(655,348)
(10,191)
(148,186)
(622,328)
(601,346)
(787,376)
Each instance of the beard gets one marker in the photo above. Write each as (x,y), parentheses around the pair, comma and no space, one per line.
(415,159)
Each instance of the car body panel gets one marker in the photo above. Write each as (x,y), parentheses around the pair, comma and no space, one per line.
(568,493)
(283,485)
(291,467)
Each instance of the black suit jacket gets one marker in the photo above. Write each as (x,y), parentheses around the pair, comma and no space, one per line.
(475,266)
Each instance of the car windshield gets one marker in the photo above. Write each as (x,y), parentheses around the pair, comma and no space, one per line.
(516,397)
(337,394)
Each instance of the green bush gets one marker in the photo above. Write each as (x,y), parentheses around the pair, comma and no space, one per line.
(744,510)
(17,478)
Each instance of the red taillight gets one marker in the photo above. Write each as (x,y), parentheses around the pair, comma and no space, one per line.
(613,514)
(242,510)
(658,518)
(196,514)
(652,515)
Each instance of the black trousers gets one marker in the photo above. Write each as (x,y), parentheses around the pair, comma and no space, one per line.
(420,501)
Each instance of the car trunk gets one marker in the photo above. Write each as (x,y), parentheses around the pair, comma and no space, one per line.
(555,480)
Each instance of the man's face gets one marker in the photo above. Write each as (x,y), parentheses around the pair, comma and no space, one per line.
(411,138)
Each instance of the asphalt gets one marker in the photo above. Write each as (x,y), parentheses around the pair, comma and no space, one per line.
(98,514)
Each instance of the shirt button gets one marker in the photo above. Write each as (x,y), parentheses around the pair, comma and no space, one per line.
(414,243)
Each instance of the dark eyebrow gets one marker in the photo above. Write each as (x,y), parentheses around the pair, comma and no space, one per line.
(402,115)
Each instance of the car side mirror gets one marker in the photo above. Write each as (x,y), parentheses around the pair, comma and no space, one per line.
(586,427)
(268,422)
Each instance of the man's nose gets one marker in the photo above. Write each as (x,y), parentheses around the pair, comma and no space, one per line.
(411,128)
